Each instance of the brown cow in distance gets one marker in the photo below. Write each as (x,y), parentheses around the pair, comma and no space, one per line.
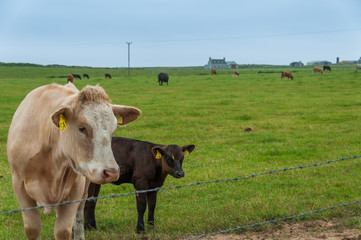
(107,75)
(287,74)
(235,73)
(145,165)
(213,71)
(317,70)
(70,78)
(59,140)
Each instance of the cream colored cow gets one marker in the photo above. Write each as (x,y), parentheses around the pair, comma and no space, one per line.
(59,139)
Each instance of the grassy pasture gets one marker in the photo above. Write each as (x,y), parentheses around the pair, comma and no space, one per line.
(311,119)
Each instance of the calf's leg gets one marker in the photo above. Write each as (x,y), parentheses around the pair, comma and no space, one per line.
(89,209)
(152,199)
(141,207)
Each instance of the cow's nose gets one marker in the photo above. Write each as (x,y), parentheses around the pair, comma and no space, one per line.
(110,174)
(179,174)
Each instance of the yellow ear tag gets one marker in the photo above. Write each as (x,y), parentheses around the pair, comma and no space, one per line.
(186,153)
(158,155)
(120,120)
(62,122)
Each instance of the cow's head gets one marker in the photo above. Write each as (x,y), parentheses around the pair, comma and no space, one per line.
(85,141)
(172,158)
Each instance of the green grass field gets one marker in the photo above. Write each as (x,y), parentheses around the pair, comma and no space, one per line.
(311,119)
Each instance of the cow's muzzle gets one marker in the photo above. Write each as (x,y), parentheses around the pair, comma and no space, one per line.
(110,175)
(178,174)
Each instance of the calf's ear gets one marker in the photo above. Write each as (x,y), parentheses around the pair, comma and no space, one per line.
(64,113)
(125,114)
(157,152)
(187,149)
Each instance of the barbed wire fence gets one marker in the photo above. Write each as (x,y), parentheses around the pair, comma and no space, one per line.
(208,182)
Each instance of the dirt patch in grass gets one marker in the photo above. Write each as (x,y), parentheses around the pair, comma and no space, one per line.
(311,230)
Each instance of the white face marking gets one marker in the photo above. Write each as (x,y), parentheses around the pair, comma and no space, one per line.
(103,123)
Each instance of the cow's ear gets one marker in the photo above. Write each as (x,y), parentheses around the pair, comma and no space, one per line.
(63,114)
(157,152)
(187,149)
(125,114)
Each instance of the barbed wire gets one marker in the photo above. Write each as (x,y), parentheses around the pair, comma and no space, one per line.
(179,186)
(273,221)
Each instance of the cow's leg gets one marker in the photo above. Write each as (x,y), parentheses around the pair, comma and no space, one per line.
(78,228)
(32,220)
(66,213)
(152,199)
(89,209)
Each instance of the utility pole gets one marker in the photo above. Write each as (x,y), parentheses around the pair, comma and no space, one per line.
(129,57)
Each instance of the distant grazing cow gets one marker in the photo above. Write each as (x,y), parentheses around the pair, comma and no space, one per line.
(235,73)
(145,165)
(70,78)
(162,77)
(59,140)
(328,68)
(107,75)
(358,66)
(286,74)
(213,71)
(77,76)
(317,69)
(85,76)
(248,129)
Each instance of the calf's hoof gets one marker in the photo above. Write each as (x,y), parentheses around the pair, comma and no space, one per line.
(140,229)
(90,226)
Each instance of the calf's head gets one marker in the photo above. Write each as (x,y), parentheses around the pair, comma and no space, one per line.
(172,158)
(87,122)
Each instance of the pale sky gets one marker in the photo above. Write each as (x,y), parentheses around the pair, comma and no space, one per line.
(178,33)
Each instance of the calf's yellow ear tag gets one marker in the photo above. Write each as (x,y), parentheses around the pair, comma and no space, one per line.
(62,122)
(186,153)
(120,119)
(158,155)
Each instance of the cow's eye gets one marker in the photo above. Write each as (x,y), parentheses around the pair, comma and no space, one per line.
(83,130)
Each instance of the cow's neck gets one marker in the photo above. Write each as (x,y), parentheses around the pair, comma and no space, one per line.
(63,182)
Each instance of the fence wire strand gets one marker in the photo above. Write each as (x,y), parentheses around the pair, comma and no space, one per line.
(273,221)
(179,186)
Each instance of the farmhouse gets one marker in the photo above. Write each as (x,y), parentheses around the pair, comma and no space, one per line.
(296,64)
(216,63)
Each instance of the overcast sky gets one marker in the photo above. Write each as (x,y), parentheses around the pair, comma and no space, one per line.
(178,32)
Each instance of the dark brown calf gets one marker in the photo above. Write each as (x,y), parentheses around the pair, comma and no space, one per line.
(145,165)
